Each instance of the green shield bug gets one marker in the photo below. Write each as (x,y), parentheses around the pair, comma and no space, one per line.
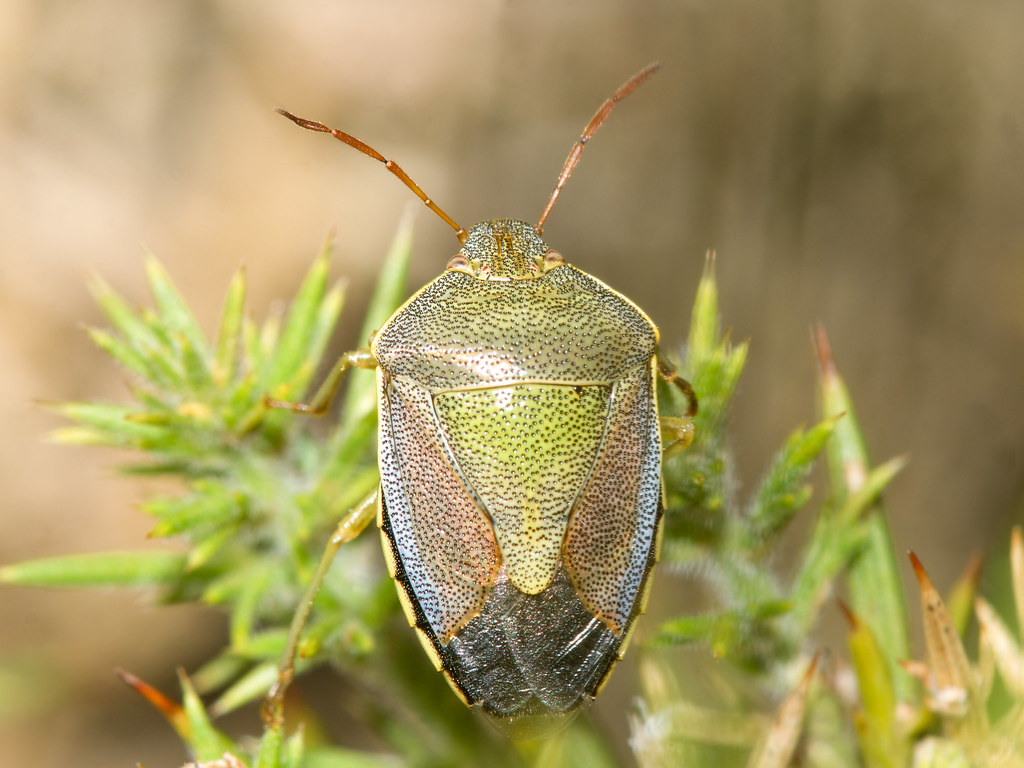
(520,454)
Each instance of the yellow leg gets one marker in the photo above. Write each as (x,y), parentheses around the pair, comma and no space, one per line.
(361,358)
(678,431)
(350,526)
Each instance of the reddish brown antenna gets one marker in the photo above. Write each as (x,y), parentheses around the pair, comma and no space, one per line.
(595,122)
(366,149)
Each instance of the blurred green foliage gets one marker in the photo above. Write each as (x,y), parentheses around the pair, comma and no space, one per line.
(262,492)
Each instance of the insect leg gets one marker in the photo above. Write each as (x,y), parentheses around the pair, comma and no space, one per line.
(668,373)
(361,358)
(350,526)
(679,431)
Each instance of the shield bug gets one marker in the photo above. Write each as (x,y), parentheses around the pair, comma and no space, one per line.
(520,500)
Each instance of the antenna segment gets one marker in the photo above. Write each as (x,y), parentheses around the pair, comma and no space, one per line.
(392,166)
(595,122)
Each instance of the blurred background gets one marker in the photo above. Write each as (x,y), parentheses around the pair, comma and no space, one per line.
(856,163)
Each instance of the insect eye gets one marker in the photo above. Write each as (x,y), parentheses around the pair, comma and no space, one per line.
(459,263)
(553,259)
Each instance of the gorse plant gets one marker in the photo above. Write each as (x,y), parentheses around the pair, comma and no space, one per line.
(262,492)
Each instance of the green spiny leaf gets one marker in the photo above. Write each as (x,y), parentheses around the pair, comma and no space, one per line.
(876,590)
(244,610)
(105,569)
(960,600)
(881,739)
(859,502)
(704,322)
(229,333)
(723,630)
(250,687)
(782,491)
(253,348)
(204,738)
(194,365)
(836,537)
(174,313)
(291,362)
(220,671)
(103,424)
(125,354)
(211,545)
(267,645)
(713,365)
(715,381)
(269,754)
(294,753)
(125,320)
(208,507)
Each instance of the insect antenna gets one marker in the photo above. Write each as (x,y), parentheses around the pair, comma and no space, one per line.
(392,166)
(595,122)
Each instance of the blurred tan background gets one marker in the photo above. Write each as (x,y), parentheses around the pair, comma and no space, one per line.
(857,163)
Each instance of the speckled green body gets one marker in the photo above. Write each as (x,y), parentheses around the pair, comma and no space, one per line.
(520,473)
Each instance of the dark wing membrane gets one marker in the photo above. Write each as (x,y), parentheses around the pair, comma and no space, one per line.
(444,542)
(529,659)
(607,551)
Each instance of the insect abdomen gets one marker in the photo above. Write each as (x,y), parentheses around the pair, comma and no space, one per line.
(527,661)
